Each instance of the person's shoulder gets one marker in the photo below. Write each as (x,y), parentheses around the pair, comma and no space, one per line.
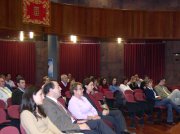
(26,113)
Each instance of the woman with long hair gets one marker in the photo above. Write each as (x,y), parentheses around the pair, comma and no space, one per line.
(32,117)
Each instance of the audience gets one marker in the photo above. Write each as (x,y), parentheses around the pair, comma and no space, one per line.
(114,116)
(33,118)
(163,92)
(156,100)
(63,119)
(17,93)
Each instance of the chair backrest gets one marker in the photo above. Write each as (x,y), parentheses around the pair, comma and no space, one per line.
(9,130)
(128,91)
(129,98)
(98,96)
(68,94)
(139,96)
(2,104)
(9,101)
(108,95)
(138,91)
(3,116)
(14,111)
(22,129)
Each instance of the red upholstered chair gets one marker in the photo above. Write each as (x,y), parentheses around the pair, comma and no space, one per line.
(108,95)
(68,94)
(98,96)
(2,104)
(14,111)
(9,130)
(9,101)
(138,91)
(3,116)
(128,91)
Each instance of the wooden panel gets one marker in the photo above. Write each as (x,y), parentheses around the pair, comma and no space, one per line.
(96,22)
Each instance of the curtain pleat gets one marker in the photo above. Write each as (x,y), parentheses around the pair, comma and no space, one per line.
(18,58)
(81,60)
(144,59)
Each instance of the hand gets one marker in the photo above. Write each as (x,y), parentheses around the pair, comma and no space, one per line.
(81,121)
(105,112)
(93,117)
(84,126)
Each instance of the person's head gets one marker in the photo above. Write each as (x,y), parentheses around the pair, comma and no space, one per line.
(76,89)
(146,78)
(124,81)
(52,89)
(32,100)
(133,79)
(149,83)
(95,81)
(2,82)
(114,81)
(72,81)
(21,83)
(69,76)
(8,76)
(46,79)
(64,78)
(88,85)
(162,81)
(103,81)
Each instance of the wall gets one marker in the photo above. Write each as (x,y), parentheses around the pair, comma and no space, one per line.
(172,62)
(41,61)
(112,60)
(128,4)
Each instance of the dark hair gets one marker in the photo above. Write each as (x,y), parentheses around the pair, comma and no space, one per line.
(122,81)
(7,74)
(74,87)
(116,81)
(19,79)
(86,81)
(161,80)
(29,104)
(101,82)
(47,87)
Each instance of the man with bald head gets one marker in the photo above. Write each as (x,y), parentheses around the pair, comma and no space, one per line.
(58,114)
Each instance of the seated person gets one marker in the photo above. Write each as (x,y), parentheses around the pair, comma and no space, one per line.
(17,93)
(114,87)
(124,85)
(9,81)
(58,114)
(158,101)
(64,84)
(163,91)
(132,83)
(114,116)
(5,93)
(33,119)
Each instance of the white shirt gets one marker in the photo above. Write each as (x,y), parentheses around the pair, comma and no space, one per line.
(10,83)
(124,87)
(3,95)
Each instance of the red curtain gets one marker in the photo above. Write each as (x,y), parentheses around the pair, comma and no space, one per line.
(18,58)
(144,59)
(81,60)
